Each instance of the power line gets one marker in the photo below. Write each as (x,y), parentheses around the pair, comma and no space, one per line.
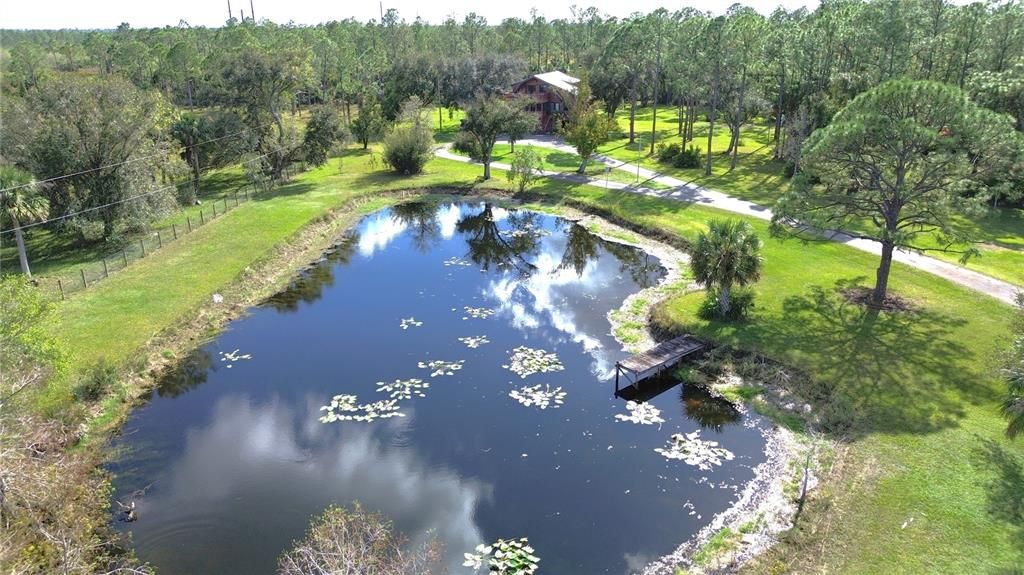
(114,165)
(121,201)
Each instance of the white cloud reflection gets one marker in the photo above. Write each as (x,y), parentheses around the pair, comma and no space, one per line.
(249,452)
(528,303)
(378,231)
(448,217)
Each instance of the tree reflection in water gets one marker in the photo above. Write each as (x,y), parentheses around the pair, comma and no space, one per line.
(581,247)
(699,404)
(707,409)
(421,220)
(489,247)
(189,373)
(309,286)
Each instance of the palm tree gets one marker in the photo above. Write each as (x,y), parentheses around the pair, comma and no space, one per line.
(21,203)
(726,255)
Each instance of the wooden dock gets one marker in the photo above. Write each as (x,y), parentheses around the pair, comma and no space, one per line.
(639,367)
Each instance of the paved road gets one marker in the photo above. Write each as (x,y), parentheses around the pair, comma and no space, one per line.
(692,193)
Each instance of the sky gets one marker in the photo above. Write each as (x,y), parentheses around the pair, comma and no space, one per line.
(92,14)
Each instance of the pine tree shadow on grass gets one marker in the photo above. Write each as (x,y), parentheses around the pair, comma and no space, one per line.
(1005,489)
(871,371)
(882,372)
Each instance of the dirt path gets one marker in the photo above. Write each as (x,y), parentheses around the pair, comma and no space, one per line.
(692,193)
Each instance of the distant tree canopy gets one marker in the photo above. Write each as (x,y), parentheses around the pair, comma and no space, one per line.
(239,83)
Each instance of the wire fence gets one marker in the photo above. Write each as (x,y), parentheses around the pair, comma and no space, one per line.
(67,282)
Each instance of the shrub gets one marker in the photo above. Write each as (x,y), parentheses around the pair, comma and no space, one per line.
(342,541)
(689,158)
(668,153)
(742,302)
(526,168)
(97,382)
(408,147)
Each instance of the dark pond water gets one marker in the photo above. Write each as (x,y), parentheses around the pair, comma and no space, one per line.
(229,460)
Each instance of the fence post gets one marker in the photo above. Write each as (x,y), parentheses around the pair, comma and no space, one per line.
(159,240)
(202,220)
(214,206)
(225,204)
(142,244)
(106,274)
(60,286)
(174,229)
(84,283)
(124,256)
(245,192)
(236,199)
(189,220)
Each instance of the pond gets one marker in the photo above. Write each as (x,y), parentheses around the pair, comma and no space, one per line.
(488,327)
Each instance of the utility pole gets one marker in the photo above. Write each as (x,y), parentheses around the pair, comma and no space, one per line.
(229,10)
(252,13)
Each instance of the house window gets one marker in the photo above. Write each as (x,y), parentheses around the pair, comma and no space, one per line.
(542,88)
(555,107)
(529,89)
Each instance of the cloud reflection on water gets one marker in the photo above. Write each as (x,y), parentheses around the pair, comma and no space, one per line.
(250,450)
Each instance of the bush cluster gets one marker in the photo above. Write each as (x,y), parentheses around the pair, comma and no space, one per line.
(675,154)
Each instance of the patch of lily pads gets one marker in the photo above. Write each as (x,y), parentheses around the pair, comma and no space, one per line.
(475,341)
(693,450)
(642,413)
(233,357)
(536,396)
(504,557)
(528,361)
(439,367)
(455,261)
(478,312)
(402,389)
(406,323)
(344,407)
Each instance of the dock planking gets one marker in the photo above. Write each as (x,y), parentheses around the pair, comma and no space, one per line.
(639,367)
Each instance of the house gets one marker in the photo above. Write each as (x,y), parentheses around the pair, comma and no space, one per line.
(551,93)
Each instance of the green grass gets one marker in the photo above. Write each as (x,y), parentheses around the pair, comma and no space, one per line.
(759,179)
(558,161)
(918,391)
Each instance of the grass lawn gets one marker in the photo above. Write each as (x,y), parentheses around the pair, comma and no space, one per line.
(759,179)
(918,389)
(558,161)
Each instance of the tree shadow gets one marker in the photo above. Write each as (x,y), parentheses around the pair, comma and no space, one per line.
(1005,490)
(872,371)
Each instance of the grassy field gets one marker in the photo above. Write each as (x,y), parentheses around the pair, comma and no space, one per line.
(558,161)
(759,179)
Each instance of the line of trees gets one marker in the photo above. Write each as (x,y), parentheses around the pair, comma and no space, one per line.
(796,68)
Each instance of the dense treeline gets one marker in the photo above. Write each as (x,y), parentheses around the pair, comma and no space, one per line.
(797,68)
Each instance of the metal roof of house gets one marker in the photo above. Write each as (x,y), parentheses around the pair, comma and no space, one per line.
(560,80)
